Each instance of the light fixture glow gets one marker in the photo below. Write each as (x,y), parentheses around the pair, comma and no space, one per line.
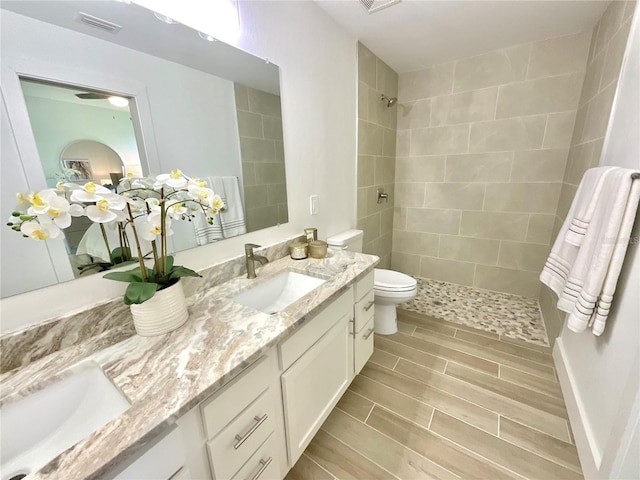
(118,101)
(206,36)
(164,18)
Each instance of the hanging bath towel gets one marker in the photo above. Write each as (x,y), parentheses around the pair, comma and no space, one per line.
(590,271)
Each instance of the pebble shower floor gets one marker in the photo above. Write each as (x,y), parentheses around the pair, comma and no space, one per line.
(507,315)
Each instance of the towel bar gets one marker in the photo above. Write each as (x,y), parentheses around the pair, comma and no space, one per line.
(635,176)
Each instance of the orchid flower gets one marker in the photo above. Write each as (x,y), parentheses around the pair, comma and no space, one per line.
(109,208)
(151,227)
(175,179)
(89,192)
(42,229)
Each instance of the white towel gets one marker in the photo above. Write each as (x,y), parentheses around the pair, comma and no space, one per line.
(229,223)
(594,266)
(585,208)
(617,259)
(232,219)
(563,253)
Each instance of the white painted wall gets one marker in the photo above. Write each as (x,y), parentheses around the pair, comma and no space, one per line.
(602,373)
(318,83)
(57,124)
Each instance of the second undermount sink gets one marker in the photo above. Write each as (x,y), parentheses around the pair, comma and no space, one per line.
(278,292)
(42,425)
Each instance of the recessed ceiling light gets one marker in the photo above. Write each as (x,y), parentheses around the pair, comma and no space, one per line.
(164,18)
(206,36)
(118,101)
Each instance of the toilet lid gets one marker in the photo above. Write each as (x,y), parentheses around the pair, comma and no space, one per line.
(393,281)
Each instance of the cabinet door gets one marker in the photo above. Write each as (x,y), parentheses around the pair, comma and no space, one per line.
(312,386)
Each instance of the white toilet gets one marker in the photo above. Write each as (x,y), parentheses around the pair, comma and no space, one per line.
(390,288)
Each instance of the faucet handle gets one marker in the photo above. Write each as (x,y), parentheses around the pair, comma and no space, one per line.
(248,248)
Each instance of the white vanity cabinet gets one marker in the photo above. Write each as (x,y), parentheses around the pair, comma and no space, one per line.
(243,425)
(362,326)
(322,371)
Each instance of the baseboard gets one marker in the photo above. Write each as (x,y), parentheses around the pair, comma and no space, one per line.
(590,457)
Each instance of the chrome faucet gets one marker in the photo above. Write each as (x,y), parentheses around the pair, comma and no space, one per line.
(251,259)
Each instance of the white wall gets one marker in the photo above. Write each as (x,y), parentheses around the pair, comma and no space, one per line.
(57,124)
(600,375)
(318,84)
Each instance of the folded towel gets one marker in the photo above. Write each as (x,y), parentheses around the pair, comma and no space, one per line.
(229,223)
(232,219)
(585,207)
(617,258)
(563,253)
(594,267)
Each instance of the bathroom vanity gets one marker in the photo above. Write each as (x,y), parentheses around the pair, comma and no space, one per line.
(239,392)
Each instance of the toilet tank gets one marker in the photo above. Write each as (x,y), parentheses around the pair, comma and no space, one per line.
(349,240)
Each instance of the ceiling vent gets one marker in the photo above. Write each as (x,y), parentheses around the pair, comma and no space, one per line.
(373,6)
(96,22)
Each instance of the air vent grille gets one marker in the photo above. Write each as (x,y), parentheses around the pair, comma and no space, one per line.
(96,22)
(376,5)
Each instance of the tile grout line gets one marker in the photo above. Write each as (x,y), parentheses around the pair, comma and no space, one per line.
(318,465)
(486,347)
(356,450)
(394,441)
(370,411)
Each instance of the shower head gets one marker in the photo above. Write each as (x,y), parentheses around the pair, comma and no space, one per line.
(390,101)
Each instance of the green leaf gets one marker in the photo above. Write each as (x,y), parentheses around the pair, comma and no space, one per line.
(128,276)
(169,263)
(179,271)
(121,255)
(140,292)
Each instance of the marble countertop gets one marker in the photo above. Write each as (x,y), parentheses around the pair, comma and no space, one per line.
(163,377)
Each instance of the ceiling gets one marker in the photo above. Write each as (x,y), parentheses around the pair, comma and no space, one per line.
(415,34)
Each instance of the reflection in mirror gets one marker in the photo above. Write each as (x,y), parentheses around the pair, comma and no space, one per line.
(204,107)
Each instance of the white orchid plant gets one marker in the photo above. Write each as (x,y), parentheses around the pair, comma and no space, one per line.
(143,207)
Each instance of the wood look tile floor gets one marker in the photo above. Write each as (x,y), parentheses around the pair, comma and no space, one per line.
(442,400)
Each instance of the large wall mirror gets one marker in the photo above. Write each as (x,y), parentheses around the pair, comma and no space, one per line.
(185,101)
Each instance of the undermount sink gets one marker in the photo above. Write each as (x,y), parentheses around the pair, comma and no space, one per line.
(276,293)
(42,425)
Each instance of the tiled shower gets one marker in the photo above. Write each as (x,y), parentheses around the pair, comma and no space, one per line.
(489,151)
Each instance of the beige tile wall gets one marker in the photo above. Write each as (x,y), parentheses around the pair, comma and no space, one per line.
(262,151)
(608,42)
(482,146)
(376,153)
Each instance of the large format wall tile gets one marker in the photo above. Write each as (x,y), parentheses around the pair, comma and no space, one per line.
(508,134)
(479,167)
(437,80)
(378,142)
(542,95)
(494,68)
(482,152)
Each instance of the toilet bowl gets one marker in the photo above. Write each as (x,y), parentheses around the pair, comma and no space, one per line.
(390,289)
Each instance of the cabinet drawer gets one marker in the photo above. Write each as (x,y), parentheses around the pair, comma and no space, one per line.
(241,438)
(263,465)
(363,346)
(223,407)
(300,341)
(364,310)
(364,285)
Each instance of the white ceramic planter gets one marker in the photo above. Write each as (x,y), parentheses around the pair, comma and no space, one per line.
(162,313)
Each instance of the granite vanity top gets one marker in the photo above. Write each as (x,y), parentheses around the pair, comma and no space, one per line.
(165,376)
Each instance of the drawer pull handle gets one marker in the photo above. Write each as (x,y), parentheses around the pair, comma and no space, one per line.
(369,305)
(265,464)
(242,438)
(368,334)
